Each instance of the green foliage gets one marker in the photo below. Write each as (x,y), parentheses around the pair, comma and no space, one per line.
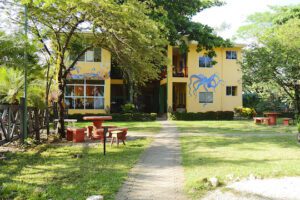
(12,87)
(274,60)
(120,117)
(128,108)
(179,23)
(219,115)
(258,23)
(298,127)
(245,112)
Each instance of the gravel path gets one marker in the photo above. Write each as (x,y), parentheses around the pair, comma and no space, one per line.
(159,174)
(266,189)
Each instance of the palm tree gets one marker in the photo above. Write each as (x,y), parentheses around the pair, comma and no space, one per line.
(11,85)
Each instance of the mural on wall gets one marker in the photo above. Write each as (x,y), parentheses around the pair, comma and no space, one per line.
(198,80)
(101,74)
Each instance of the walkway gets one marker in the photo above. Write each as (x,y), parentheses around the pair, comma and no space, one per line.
(158,174)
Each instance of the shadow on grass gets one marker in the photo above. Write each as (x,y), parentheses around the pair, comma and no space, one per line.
(54,173)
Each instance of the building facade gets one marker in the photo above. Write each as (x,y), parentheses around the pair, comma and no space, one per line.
(191,82)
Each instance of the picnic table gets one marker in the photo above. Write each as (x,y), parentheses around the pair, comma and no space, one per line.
(272,116)
(97,120)
(99,132)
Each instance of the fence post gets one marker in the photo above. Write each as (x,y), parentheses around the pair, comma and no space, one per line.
(22,126)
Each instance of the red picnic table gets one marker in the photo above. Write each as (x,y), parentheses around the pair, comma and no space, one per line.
(272,116)
(97,120)
(97,124)
(99,131)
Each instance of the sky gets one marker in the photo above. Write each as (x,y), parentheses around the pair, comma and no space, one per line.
(235,12)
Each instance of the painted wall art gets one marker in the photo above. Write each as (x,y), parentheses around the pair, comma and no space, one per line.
(101,74)
(199,80)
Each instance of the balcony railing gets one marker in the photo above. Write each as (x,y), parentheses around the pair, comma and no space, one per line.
(180,73)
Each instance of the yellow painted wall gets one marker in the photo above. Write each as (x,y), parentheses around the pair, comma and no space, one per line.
(91,67)
(228,71)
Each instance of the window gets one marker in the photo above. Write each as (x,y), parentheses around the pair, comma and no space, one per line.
(206,97)
(89,56)
(231,90)
(231,55)
(205,62)
(85,95)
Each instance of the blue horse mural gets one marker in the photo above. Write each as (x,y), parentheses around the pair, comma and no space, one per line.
(198,80)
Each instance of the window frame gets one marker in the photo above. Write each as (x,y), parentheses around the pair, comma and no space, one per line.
(71,57)
(231,91)
(231,57)
(206,99)
(85,97)
(210,65)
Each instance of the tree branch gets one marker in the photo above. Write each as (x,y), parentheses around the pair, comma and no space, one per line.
(75,60)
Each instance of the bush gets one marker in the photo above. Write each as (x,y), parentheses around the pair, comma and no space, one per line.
(128,108)
(211,115)
(245,112)
(119,117)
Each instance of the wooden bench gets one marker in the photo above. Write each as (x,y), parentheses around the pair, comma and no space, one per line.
(286,121)
(262,120)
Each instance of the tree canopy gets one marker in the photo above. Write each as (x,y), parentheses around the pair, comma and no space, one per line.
(275,56)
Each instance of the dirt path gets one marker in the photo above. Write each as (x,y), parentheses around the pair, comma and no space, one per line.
(158,174)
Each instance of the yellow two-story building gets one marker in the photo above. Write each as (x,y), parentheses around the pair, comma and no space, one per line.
(191,82)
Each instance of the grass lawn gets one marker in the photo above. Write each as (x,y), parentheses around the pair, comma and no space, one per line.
(229,127)
(143,127)
(51,171)
(239,149)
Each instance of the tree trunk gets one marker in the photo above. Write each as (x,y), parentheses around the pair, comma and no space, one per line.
(48,85)
(297,99)
(61,113)
(131,92)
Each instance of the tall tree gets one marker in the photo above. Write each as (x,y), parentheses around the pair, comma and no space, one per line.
(178,21)
(273,58)
(124,29)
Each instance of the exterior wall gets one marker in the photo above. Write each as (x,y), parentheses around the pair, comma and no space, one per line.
(227,70)
(103,68)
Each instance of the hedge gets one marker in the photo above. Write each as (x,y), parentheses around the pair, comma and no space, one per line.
(119,117)
(219,115)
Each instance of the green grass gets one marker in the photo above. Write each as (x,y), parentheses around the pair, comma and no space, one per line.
(51,172)
(143,127)
(231,152)
(231,127)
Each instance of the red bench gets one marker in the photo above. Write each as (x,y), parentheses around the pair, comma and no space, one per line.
(286,121)
(75,134)
(262,120)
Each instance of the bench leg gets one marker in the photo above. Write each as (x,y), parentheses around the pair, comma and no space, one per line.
(112,141)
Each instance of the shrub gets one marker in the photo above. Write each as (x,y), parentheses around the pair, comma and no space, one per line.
(245,112)
(128,108)
(211,115)
(119,117)
(298,127)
